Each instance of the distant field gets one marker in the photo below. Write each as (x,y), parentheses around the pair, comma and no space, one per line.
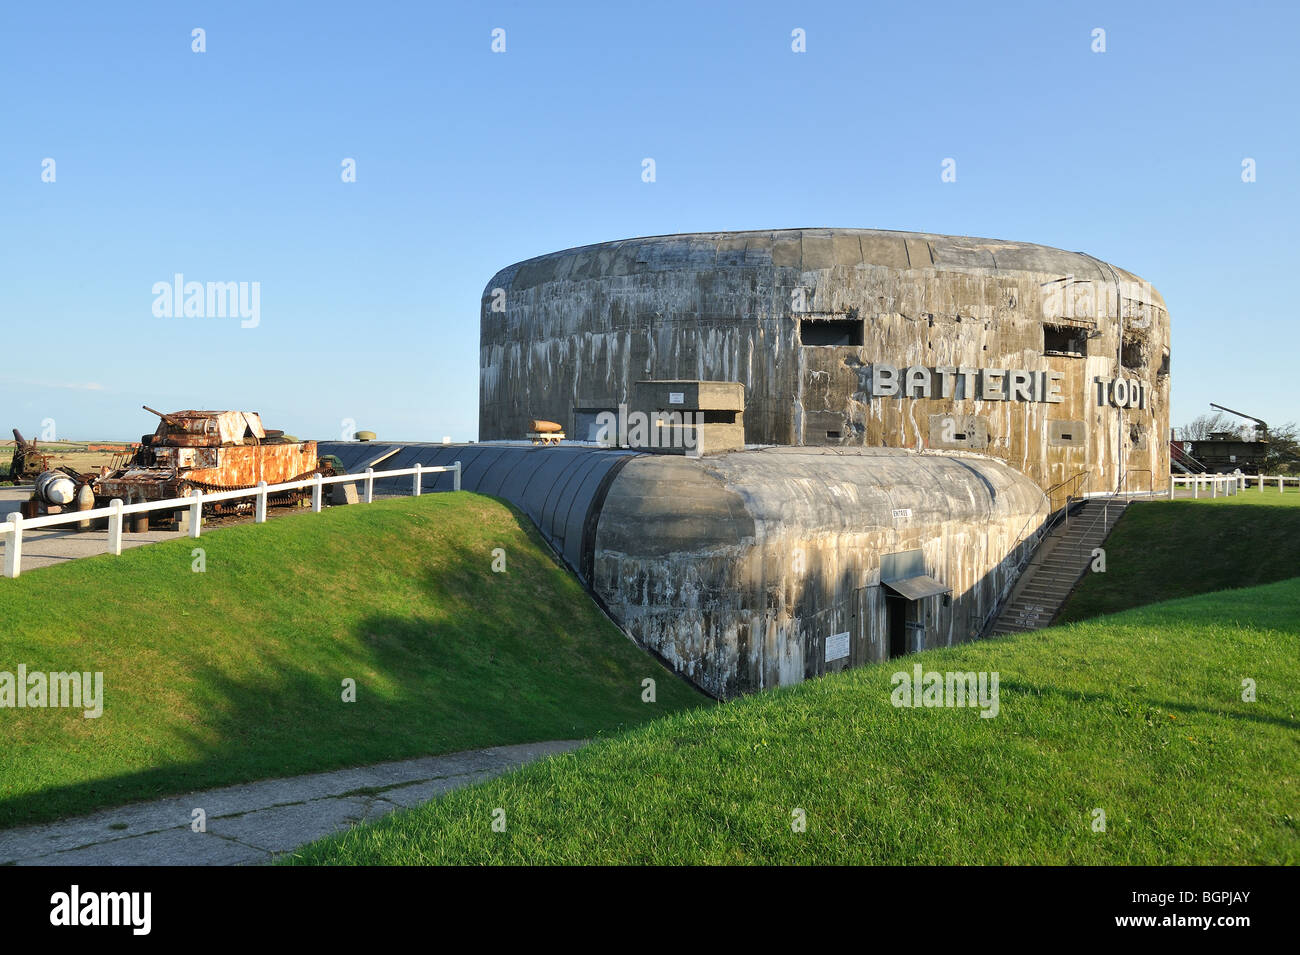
(1165,549)
(73,454)
(1139,715)
(235,674)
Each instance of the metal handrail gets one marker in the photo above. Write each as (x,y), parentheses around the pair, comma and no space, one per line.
(1103,516)
(1068,496)
(1021,537)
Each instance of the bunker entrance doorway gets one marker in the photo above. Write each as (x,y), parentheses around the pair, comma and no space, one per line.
(898,612)
(908,589)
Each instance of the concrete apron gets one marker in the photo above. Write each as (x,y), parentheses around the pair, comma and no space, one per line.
(255,822)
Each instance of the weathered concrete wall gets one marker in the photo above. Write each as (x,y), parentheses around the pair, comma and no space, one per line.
(736,569)
(576,329)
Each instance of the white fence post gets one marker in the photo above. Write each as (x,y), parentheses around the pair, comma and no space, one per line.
(196,512)
(1172,481)
(1279,485)
(370,485)
(316,494)
(1261,484)
(14,545)
(415,479)
(115,527)
(259,508)
(456,478)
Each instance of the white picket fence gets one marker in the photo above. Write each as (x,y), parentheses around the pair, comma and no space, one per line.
(1223,485)
(15,524)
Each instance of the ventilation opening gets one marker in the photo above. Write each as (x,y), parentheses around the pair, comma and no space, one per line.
(830,331)
(1064,340)
(833,434)
(1164,364)
(1066,436)
(1132,354)
(718,417)
(959,436)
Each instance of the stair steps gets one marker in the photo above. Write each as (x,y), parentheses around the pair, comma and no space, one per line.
(1066,554)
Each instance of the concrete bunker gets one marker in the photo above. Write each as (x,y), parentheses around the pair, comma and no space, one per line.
(888,419)
(800,318)
(742,569)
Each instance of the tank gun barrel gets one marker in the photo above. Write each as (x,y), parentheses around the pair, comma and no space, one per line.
(166,417)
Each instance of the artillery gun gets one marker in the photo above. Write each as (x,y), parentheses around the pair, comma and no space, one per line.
(28,462)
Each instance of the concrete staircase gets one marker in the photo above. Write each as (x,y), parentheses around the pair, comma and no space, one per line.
(1057,565)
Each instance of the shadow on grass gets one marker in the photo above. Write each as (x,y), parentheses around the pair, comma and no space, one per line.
(1161,550)
(481,659)
(1246,714)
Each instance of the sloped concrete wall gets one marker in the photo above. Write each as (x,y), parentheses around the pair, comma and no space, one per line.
(735,569)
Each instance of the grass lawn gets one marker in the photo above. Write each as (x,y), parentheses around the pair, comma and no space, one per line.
(1138,714)
(236,673)
(1165,549)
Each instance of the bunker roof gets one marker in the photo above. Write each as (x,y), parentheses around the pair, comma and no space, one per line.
(802,249)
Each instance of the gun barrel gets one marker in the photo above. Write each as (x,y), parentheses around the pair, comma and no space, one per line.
(1263,425)
(165,417)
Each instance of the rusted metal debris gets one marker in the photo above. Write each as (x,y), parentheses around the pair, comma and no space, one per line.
(28,461)
(207,451)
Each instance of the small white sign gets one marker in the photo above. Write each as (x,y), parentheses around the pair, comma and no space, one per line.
(837,647)
(677,397)
(902,513)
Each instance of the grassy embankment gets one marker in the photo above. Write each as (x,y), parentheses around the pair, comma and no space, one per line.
(236,673)
(1139,714)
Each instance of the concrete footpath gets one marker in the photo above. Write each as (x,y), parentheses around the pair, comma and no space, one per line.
(255,822)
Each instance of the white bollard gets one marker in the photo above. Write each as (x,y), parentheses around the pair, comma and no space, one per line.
(456,478)
(416,480)
(14,545)
(370,485)
(316,495)
(259,506)
(196,512)
(115,527)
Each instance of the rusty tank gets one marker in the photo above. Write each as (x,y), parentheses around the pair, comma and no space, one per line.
(208,451)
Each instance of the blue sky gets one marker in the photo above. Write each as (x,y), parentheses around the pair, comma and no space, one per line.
(225,166)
